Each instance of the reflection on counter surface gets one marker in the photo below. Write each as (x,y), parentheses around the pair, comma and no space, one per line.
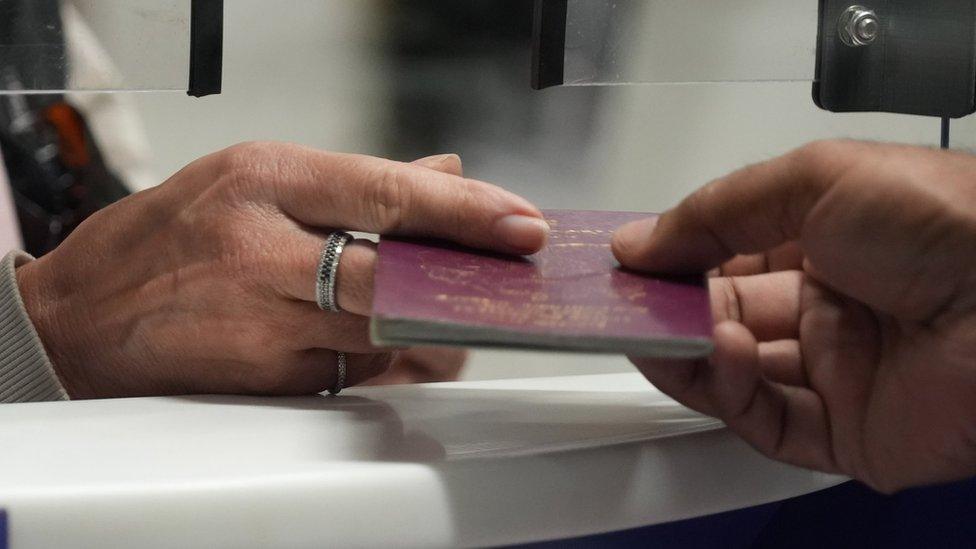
(451,460)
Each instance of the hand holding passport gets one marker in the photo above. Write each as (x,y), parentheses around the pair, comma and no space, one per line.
(571,296)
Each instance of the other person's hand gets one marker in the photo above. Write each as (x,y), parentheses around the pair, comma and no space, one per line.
(845,308)
(206,284)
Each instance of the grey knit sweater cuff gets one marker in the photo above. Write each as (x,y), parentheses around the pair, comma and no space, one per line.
(26,374)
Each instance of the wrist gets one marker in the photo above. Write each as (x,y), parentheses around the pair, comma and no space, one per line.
(49,320)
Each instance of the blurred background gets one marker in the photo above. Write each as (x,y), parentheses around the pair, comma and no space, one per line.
(410,78)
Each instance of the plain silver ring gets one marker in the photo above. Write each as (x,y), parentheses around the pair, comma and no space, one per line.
(325,277)
(340,373)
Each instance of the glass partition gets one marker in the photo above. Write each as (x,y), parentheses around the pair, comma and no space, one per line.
(683,41)
(94,45)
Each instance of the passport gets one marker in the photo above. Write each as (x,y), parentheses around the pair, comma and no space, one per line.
(571,296)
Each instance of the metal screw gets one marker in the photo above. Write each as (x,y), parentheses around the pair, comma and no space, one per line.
(859,26)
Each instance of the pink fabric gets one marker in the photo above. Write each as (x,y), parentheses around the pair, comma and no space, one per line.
(10,238)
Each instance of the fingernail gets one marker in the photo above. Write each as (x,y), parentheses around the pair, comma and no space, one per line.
(634,233)
(438,159)
(522,233)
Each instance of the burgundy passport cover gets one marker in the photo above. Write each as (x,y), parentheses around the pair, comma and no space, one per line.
(571,296)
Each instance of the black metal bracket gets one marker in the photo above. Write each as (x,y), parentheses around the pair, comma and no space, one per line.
(549,43)
(206,47)
(922,60)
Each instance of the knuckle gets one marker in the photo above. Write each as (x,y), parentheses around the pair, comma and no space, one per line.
(706,209)
(254,163)
(283,377)
(471,197)
(274,382)
(378,364)
(817,152)
(242,156)
(697,205)
(821,162)
(262,380)
(386,196)
(726,304)
(237,172)
(264,373)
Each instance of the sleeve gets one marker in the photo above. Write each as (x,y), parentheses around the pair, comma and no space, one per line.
(26,373)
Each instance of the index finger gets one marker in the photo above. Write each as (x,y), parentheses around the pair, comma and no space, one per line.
(749,211)
(363,193)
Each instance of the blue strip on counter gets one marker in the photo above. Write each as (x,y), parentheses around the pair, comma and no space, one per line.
(3,529)
(849,515)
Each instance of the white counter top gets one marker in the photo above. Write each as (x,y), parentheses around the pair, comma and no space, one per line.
(475,463)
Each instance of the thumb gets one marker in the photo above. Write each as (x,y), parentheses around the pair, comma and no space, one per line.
(747,212)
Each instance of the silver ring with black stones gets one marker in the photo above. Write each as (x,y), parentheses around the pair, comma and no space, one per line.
(325,279)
